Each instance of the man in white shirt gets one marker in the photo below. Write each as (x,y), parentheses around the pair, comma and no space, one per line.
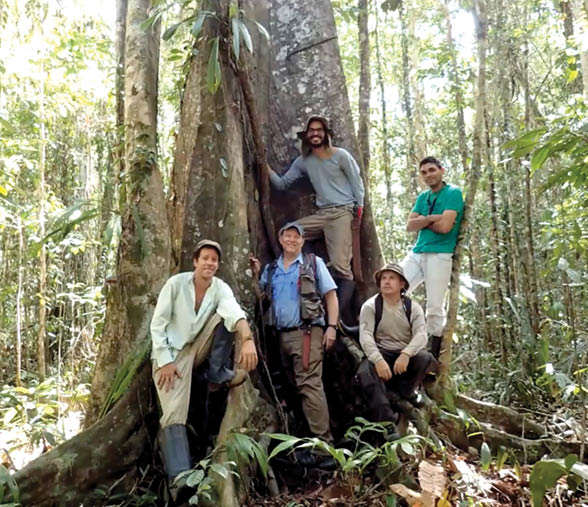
(195,319)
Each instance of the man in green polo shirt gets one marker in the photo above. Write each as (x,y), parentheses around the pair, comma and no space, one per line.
(436,216)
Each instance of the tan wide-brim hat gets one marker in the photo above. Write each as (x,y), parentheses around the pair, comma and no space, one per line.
(391,266)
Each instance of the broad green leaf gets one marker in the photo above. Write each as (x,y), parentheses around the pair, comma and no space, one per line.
(220,470)
(485,456)
(246,36)
(235,28)
(449,401)
(262,30)
(544,476)
(407,447)
(540,156)
(213,73)
(169,33)
(501,457)
(224,167)
(194,478)
(282,447)
(198,23)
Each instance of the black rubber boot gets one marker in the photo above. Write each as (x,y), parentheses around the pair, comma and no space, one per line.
(345,292)
(436,346)
(175,449)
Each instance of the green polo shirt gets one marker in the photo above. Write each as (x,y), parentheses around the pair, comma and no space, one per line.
(429,203)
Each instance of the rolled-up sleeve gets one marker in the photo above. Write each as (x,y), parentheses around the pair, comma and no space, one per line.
(295,172)
(228,308)
(419,331)
(367,341)
(161,317)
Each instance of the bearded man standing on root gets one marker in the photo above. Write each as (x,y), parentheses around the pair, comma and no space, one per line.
(335,177)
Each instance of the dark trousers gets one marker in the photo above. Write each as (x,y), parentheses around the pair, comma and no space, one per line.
(220,360)
(406,383)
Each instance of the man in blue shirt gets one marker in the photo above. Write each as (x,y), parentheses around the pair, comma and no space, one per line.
(302,342)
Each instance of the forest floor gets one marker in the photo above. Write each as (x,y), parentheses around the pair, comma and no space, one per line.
(452,479)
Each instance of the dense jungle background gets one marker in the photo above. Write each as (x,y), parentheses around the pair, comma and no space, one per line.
(130,130)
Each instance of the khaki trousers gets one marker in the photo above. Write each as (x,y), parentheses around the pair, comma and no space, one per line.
(175,402)
(335,224)
(309,383)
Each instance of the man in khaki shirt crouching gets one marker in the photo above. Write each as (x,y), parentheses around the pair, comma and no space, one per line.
(393,335)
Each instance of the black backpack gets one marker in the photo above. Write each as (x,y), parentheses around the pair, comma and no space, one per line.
(406,304)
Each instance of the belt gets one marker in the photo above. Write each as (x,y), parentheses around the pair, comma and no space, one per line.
(297,328)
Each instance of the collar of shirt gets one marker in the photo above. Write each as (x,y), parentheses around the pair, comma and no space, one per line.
(299,258)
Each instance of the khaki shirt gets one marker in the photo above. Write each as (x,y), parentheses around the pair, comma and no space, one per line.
(395,333)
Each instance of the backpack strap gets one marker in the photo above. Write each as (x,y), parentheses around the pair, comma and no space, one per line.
(406,304)
(379,311)
(270,275)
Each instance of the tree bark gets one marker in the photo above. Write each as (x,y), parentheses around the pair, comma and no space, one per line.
(363,128)
(144,250)
(41,333)
(480,19)
(411,157)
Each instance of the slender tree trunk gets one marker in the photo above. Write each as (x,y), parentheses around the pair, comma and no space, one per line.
(385,142)
(480,18)
(41,333)
(411,157)
(457,91)
(19,291)
(144,251)
(363,131)
(580,16)
(497,333)
(533,295)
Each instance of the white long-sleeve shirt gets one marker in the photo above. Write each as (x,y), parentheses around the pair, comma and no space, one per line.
(175,323)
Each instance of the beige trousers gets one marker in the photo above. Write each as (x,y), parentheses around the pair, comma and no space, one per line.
(309,383)
(175,402)
(335,224)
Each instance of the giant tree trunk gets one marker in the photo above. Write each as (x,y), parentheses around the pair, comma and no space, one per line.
(144,251)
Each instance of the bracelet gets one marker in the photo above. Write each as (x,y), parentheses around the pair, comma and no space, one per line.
(247,338)
(334,326)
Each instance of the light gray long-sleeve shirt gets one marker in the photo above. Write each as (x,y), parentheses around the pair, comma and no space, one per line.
(335,180)
(394,333)
(175,322)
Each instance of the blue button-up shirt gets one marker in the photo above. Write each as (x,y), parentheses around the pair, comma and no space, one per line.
(285,293)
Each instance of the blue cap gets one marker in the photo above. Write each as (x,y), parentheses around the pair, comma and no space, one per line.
(292,225)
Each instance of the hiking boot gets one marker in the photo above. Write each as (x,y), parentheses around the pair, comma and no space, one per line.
(309,459)
(415,399)
(436,346)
